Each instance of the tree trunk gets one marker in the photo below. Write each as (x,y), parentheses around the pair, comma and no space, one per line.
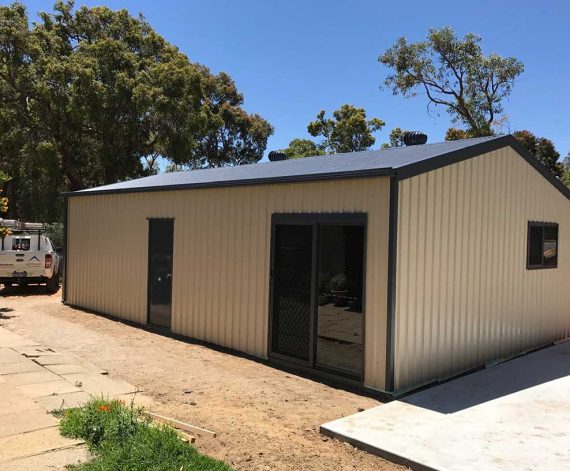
(75,180)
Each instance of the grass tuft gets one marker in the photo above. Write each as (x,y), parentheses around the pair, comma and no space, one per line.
(121,438)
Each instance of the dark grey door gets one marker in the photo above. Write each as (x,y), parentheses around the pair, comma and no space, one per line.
(317,291)
(291,322)
(160,248)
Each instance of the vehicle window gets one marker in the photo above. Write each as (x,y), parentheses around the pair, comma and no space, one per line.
(20,243)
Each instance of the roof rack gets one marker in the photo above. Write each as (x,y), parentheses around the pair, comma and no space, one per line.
(22,226)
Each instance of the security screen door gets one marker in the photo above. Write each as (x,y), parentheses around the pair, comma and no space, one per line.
(317,289)
(160,248)
(292,299)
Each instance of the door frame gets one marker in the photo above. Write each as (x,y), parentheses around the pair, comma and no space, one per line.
(315,220)
(150,221)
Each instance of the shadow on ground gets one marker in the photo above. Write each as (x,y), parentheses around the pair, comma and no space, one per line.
(507,378)
(23,291)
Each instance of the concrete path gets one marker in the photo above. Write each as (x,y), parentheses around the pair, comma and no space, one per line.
(34,381)
(512,416)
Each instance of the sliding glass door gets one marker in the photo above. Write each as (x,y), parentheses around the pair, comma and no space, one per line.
(317,289)
(340,288)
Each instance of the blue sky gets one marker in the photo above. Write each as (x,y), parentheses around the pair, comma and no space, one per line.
(292,58)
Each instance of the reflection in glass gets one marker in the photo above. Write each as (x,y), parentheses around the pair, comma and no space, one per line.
(340,289)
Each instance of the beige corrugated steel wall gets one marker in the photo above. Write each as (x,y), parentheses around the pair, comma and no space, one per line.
(464,296)
(221,257)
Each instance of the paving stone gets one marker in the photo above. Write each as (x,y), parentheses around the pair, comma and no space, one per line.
(25,421)
(100,385)
(35,351)
(50,460)
(17,403)
(23,366)
(7,355)
(10,339)
(139,400)
(31,377)
(63,401)
(66,369)
(7,389)
(59,359)
(33,443)
(48,388)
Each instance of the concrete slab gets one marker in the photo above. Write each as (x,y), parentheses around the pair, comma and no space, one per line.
(51,460)
(23,366)
(66,369)
(31,377)
(100,385)
(33,443)
(7,355)
(10,339)
(58,359)
(48,388)
(63,401)
(138,400)
(17,403)
(34,351)
(25,421)
(512,416)
(7,389)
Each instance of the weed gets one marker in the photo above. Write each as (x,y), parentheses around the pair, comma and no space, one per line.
(120,438)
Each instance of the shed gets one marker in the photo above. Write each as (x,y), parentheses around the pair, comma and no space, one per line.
(388,269)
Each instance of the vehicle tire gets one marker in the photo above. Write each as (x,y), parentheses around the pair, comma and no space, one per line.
(52,284)
(7,285)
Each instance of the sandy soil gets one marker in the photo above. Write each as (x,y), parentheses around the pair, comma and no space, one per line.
(266,419)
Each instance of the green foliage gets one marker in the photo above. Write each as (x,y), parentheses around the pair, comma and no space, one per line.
(453,134)
(89,94)
(299,148)
(54,232)
(121,439)
(543,149)
(454,73)
(566,170)
(396,138)
(4,231)
(347,131)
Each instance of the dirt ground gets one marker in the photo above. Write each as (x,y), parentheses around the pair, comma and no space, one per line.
(266,419)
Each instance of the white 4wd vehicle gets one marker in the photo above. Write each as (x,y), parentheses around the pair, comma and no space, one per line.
(27,256)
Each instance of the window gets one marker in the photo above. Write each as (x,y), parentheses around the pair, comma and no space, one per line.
(542,249)
(20,243)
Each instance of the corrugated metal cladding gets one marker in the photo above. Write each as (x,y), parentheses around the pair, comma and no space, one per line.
(464,295)
(221,257)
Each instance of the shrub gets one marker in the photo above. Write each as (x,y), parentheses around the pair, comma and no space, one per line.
(120,438)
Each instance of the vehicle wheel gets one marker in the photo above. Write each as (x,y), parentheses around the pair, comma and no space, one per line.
(52,284)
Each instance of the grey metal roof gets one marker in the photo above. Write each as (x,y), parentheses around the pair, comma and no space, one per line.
(402,162)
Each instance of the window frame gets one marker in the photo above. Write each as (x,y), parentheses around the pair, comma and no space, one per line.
(542,225)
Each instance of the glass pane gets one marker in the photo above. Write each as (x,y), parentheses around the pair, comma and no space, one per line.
(550,246)
(340,283)
(291,323)
(535,246)
(20,244)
